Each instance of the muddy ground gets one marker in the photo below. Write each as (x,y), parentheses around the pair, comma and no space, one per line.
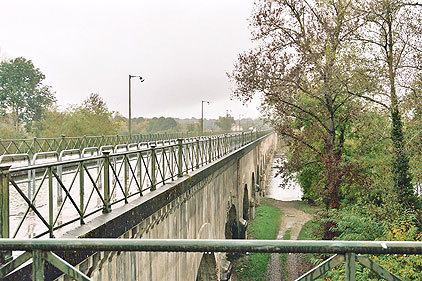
(293,219)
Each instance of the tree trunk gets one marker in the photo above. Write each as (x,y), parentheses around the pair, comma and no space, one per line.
(401,172)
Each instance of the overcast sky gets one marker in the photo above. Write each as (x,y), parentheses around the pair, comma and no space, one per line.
(183,49)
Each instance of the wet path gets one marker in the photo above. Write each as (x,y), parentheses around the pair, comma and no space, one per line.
(293,219)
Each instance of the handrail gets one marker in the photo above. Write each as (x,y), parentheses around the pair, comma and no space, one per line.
(23,155)
(121,146)
(348,252)
(106,148)
(89,149)
(65,152)
(34,145)
(215,245)
(108,178)
(46,153)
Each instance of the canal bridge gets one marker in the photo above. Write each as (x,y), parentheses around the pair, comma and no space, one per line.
(193,188)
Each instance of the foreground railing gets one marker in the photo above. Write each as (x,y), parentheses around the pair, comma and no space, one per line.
(36,145)
(38,200)
(41,250)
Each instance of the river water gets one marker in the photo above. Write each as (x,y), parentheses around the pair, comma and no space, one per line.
(275,189)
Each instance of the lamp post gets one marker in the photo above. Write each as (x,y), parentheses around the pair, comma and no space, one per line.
(202,115)
(239,121)
(227,119)
(130,104)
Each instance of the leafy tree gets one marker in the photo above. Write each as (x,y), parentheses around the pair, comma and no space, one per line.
(22,92)
(95,104)
(391,39)
(92,118)
(193,128)
(225,123)
(161,124)
(304,67)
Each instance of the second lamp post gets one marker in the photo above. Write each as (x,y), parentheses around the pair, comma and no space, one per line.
(130,105)
(202,115)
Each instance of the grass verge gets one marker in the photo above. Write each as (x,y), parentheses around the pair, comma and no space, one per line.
(310,231)
(265,226)
(309,209)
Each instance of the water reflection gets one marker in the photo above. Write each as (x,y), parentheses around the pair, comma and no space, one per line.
(289,192)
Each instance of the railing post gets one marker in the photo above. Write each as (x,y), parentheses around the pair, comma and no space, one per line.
(209,150)
(163,162)
(81,190)
(139,164)
(197,153)
(171,167)
(153,162)
(37,266)
(350,267)
(34,182)
(62,144)
(225,143)
(106,183)
(243,138)
(218,147)
(179,157)
(50,201)
(5,256)
(59,188)
(35,145)
(126,175)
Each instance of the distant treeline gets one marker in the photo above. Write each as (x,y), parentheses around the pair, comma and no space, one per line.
(28,109)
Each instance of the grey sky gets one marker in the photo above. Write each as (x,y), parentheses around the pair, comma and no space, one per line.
(182,48)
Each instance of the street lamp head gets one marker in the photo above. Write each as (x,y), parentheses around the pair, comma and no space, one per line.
(140,77)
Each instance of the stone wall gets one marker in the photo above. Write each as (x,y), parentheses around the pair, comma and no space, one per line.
(211,203)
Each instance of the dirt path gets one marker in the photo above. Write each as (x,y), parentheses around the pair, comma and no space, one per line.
(293,219)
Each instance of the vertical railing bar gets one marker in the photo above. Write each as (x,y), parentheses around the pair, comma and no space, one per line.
(197,153)
(126,176)
(37,266)
(163,172)
(139,164)
(350,267)
(179,158)
(81,191)
(106,182)
(5,256)
(50,201)
(153,171)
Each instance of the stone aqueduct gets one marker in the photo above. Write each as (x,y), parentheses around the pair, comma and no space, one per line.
(213,202)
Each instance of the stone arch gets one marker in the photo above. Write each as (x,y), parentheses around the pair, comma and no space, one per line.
(253,199)
(253,187)
(207,270)
(245,209)
(231,230)
(259,179)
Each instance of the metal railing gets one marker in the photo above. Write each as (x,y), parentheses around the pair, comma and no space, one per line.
(349,252)
(35,145)
(37,200)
